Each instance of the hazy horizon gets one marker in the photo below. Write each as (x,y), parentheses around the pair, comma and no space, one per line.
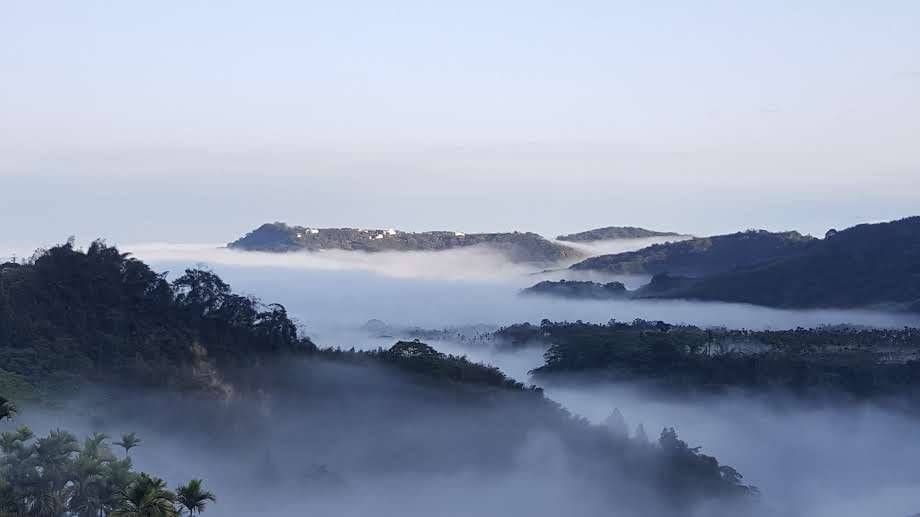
(480,117)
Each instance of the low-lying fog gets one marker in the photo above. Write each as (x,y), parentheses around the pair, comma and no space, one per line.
(336,290)
(808,460)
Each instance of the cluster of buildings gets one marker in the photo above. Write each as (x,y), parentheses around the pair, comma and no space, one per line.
(372,234)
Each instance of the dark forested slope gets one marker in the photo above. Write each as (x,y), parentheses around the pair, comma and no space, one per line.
(836,361)
(702,256)
(866,265)
(100,315)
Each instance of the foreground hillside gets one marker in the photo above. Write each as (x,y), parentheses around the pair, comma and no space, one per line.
(701,256)
(265,414)
(517,246)
(72,316)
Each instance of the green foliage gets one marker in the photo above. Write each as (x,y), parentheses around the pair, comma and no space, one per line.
(7,409)
(56,475)
(193,497)
(424,361)
(578,289)
(147,496)
(128,442)
(16,386)
(852,361)
(70,316)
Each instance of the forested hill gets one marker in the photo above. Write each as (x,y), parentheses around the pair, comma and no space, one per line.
(702,256)
(71,315)
(614,233)
(837,361)
(866,265)
(517,246)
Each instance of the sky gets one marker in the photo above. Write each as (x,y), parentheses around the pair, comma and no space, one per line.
(197,121)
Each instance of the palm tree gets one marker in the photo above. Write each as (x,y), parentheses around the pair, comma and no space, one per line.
(128,442)
(54,455)
(146,497)
(88,475)
(7,408)
(193,497)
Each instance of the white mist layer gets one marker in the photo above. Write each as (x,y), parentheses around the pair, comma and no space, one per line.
(612,246)
(472,263)
(809,461)
(333,299)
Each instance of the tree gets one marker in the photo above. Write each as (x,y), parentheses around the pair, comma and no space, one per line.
(641,436)
(147,497)
(53,456)
(616,424)
(128,442)
(193,497)
(7,409)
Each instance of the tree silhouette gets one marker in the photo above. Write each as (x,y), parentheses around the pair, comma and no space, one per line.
(147,497)
(128,442)
(7,409)
(193,497)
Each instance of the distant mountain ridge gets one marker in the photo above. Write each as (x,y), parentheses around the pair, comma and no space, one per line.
(517,246)
(866,265)
(614,233)
(874,266)
(702,256)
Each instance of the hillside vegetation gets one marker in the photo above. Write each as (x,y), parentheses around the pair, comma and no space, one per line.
(835,361)
(702,256)
(70,316)
(614,233)
(870,265)
(517,246)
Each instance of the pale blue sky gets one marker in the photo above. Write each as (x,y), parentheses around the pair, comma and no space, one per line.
(194,121)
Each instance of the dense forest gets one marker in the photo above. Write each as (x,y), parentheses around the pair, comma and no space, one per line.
(69,316)
(853,362)
(100,318)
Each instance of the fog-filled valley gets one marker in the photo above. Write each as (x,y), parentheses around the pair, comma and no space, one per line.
(334,419)
(412,259)
(434,290)
(807,458)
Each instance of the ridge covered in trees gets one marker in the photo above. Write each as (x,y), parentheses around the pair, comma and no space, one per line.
(702,255)
(853,362)
(99,315)
(578,289)
(869,265)
(516,246)
(866,266)
(614,233)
